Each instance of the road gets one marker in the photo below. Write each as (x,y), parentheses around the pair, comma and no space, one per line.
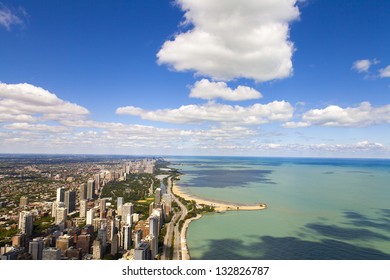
(173,230)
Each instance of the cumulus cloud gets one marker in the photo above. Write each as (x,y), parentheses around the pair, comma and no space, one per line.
(8,18)
(363,65)
(277,111)
(363,115)
(205,89)
(385,72)
(233,39)
(25,102)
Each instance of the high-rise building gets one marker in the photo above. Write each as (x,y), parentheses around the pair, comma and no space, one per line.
(83,208)
(61,215)
(126,231)
(102,236)
(137,238)
(23,201)
(102,208)
(73,253)
(83,191)
(90,189)
(60,195)
(64,242)
(119,205)
(157,196)
(51,253)
(142,252)
(97,250)
(114,245)
(151,207)
(84,242)
(19,240)
(36,248)
(90,216)
(96,178)
(70,201)
(153,231)
(26,221)
(127,208)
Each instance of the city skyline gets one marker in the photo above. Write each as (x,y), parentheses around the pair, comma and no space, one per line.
(269,78)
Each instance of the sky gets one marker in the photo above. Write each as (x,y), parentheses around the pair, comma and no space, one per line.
(195,77)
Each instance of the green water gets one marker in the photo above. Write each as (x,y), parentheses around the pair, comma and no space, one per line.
(315,211)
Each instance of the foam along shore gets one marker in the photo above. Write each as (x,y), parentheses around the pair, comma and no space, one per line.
(218,206)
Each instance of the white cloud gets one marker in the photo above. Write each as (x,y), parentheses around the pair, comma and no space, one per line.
(8,18)
(233,39)
(277,111)
(25,102)
(385,72)
(363,65)
(295,124)
(36,127)
(205,89)
(363,115)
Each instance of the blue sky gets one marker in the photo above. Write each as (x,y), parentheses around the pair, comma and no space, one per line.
(186,77)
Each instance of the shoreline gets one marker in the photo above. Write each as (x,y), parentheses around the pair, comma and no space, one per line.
(219,206)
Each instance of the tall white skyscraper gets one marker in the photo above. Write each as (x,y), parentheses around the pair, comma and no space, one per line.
(60,195)
(90,216)
(127,208)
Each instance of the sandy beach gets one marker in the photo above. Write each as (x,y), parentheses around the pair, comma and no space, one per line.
(218,205)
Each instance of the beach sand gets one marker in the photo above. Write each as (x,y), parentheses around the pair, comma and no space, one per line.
(218,205)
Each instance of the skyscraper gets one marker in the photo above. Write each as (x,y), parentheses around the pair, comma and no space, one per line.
(26,220)
(90,216)
(60,195)
(90,189)
(142,252)
(83,208)
(102,208)
(137,238)
(102,236)
(83,191)
(36,248)
(127,208)
(97,250)
(153,230)
(119,205)
(158,196)
(84,242)
(51,253)
(64,242)
(61,215)
(70,201)
(126,237)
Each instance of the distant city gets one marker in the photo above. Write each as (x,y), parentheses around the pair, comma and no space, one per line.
(90,207)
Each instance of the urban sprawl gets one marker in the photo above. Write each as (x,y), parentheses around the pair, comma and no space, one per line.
(82,208)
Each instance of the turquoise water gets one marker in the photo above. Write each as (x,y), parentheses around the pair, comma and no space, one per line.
(317,208)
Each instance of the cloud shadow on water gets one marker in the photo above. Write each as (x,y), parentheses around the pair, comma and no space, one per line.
(290,248)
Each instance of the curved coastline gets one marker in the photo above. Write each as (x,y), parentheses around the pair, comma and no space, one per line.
(219,208)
